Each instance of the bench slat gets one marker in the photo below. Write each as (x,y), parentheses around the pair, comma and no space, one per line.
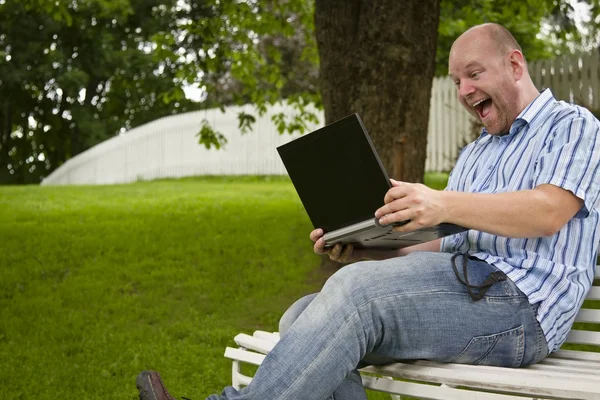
(597,272)
(522,380)
(253,343)
(575,368)
(383,384)
(595,365)
(508,373)
(575,355)
(584,337)
(594,293)
(268,336)
(244,356)
(430,392)
(588,315)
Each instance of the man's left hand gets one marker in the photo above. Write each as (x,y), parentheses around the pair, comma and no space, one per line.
(411,201)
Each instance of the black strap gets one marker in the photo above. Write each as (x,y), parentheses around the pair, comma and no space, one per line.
(493,277)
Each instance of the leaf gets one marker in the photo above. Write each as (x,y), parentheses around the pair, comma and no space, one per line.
(209,137)
(245,122)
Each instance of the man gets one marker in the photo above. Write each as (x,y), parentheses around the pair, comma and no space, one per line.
(504,293)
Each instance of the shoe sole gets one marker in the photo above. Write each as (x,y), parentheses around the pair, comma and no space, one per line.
(144,385)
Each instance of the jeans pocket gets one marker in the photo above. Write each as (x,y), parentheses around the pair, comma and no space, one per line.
(504,349)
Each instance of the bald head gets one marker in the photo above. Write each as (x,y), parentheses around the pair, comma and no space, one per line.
(497,35)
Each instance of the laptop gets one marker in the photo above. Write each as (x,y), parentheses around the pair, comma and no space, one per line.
(341,182)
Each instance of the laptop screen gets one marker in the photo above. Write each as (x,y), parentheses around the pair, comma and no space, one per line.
(337,174)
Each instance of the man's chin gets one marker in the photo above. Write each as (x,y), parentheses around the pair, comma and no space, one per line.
(495,131)
(492,130)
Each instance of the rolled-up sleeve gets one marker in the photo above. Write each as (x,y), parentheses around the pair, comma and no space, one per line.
(571,160)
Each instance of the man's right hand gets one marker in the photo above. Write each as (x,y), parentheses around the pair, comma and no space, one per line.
(348,254)
(339,253)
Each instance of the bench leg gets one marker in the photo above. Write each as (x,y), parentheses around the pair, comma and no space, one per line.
(393,396)
(235,372)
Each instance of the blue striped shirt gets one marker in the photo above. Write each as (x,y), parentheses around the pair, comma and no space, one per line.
(550,142)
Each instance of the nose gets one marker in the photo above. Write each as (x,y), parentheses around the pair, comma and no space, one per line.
(465,89)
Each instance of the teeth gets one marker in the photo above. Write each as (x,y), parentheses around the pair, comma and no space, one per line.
(479,102)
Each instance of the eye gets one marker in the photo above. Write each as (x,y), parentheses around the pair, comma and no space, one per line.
(475,75)
(457,83)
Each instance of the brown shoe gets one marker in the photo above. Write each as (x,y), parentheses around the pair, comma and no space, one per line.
(151,387)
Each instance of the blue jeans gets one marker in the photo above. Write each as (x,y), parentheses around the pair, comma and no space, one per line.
(374,312)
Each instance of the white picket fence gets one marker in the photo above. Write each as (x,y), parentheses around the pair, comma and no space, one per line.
(574,79)
(168,147)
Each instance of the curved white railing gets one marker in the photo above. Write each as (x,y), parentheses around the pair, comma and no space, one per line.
(169,148)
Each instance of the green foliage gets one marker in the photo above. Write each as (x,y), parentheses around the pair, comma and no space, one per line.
(210,137)
(245,121)
(259,53)
(259,77)
(75,73)
(524,19)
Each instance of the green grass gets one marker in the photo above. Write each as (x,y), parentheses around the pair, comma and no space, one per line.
(98,283)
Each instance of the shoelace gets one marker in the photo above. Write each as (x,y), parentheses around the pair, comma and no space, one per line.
(493,277)
(163,385)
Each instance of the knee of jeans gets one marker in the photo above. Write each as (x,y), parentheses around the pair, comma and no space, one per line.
(293,312)
(349,279)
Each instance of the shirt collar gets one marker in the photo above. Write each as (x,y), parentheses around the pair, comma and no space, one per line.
(537,106)
(534,112)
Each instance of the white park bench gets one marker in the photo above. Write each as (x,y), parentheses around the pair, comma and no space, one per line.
(565,374)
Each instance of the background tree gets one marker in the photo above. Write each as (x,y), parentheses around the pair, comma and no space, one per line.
(77,73)
(543,28)
(377,59)
(74,72)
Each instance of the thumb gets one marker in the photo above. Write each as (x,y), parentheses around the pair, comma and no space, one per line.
(395,182)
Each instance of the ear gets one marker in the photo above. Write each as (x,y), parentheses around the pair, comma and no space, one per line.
(517,64)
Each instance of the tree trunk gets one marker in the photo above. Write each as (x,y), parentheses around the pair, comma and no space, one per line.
(377,58)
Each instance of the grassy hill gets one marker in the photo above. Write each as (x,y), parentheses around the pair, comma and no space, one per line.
(98,283)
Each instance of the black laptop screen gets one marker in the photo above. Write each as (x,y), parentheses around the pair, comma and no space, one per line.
(337,174)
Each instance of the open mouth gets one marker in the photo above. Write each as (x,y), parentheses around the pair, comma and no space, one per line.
(483,107)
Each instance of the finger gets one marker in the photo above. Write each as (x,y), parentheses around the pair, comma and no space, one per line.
(409,227)
(335,252)
(382,211)
(346,253)
(319,246)
(390,208)
(316,234)
(398,216)
(395,182)
(397,192)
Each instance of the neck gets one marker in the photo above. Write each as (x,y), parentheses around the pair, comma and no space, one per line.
(528,94)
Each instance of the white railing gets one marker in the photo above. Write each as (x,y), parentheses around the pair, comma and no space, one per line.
(168,147)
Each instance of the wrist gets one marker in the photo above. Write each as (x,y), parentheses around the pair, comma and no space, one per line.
(446,206)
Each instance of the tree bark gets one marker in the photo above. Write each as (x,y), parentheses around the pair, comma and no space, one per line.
(377,59)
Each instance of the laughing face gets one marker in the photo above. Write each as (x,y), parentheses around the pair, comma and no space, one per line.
(486,81)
